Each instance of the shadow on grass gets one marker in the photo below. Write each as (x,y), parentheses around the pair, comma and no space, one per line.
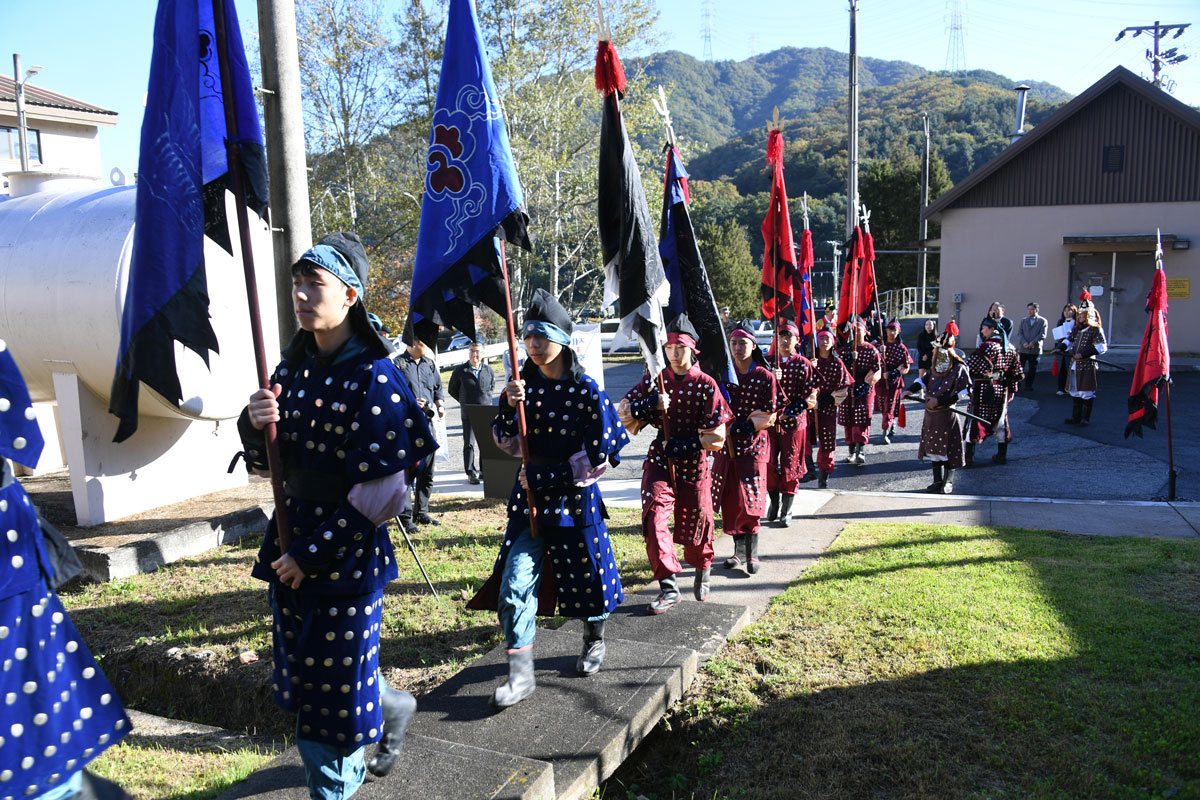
(1111,711)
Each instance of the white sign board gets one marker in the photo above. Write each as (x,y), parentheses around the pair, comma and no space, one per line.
(585,341)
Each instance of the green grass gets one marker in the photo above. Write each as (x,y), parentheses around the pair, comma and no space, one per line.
(950,662)
(155,772)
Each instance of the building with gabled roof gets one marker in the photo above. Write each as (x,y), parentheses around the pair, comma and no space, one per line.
(1076,203)
(63,133)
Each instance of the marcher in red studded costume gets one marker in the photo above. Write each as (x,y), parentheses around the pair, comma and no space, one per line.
(995,369)
(696,414)
(789,435)
(896,363)
(740,468)
(833,382)
(864,362)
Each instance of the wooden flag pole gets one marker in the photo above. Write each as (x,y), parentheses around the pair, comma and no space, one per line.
(522,428)
(282,524)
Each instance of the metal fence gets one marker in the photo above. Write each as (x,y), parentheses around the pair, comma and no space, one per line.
(906,302)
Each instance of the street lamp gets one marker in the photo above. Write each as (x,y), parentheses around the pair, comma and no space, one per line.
(22,132)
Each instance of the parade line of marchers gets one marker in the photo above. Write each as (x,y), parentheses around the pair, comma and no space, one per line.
(339,430)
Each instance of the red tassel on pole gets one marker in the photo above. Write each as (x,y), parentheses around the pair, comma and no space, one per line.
(610,75)
(902,417)
(1054,367)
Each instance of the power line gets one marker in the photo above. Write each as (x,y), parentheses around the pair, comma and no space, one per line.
(706,16)
(1159,58)
(956,54)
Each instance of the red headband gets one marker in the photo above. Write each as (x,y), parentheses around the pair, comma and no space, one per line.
(788,325)
(740,333)
(683,339)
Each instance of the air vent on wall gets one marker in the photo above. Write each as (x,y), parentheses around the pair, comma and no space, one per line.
(1030,261)
(1114,158)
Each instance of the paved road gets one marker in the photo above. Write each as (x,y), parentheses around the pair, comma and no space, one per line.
(1046,459)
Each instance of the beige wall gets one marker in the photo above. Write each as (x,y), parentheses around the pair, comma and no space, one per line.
(983,251)
(65,147)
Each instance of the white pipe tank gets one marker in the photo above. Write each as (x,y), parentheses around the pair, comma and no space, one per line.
(64,267)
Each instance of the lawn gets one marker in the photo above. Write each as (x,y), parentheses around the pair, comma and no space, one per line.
(950,662)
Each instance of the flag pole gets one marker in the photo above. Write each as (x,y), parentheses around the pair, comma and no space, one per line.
(1172,475)
(282,525)
(522,429)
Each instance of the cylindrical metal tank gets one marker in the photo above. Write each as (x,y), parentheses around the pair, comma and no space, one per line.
(64,267)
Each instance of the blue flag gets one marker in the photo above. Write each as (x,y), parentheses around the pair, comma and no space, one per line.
(183,172)
(472,196)
(691,292)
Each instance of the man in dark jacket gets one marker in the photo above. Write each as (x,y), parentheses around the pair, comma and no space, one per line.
(471,384)
(426,383)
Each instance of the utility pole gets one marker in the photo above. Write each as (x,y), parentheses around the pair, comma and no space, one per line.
(291,224)
(706,29)
(22,130)
(1158,59)
(852,136)
(923,226)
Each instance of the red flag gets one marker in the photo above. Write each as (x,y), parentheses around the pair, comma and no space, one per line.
(802,287)
(866,277)
(779,258)
(1154,359)
(856,295)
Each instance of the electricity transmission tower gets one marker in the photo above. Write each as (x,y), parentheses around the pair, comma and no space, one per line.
(706,29)
(956,54)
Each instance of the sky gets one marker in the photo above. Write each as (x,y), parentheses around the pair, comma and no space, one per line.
(92,52)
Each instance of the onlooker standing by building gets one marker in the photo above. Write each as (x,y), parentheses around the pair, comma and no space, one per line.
(1062,335)
(925,342)
(471,384)
(1031,333)
(996,312)
(426,383)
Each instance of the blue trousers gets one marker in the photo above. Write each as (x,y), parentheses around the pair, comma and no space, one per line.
(519,582)
(334,773)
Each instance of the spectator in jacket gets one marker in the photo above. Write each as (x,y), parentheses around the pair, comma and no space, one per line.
(1031,334)
(416,362)
(471,384)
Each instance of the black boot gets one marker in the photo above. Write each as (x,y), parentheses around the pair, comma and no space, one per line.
(668,595)
(969,455)
(736,560)
(700,586)
(520,683)
(948,481)
(96,788)
(773,510)
(1001,456)
(938,478)
(1076,412)
(785,510)
(887,434)
(810,473)
(823,482)
(593,649)
(753,565)
(1086,419)
(398,708)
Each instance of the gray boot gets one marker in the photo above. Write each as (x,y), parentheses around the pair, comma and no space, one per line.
(700,587)
(739,547)
(785,509)
(398,708)
(520,679)
(753,565)
(668,595)
(773,510)
(593,649)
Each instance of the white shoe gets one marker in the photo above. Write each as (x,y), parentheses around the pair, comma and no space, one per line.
(1061,393)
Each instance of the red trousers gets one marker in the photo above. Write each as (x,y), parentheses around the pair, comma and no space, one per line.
(739,487)
(785,462)
(690,503)
(857,434)
(826,436)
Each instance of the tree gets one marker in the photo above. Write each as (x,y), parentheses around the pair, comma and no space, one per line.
(891,189)
(732,271)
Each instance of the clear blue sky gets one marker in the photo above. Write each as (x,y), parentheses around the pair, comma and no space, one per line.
(94,52)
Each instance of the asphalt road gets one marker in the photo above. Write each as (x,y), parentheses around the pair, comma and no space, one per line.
(1047,458)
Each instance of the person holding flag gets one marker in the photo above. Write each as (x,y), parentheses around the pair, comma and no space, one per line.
(676,479)
(896,363)
(833,382)
(864,363)
(574,434)
(789,436)
(740,468)
(349,429)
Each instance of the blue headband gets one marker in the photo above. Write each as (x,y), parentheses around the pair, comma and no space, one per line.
(547,330)
(328,258)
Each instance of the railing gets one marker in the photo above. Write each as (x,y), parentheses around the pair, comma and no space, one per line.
(906,302)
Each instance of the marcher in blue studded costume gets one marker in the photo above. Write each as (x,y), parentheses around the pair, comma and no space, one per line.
(348,429)
(574,434)
(59,710)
